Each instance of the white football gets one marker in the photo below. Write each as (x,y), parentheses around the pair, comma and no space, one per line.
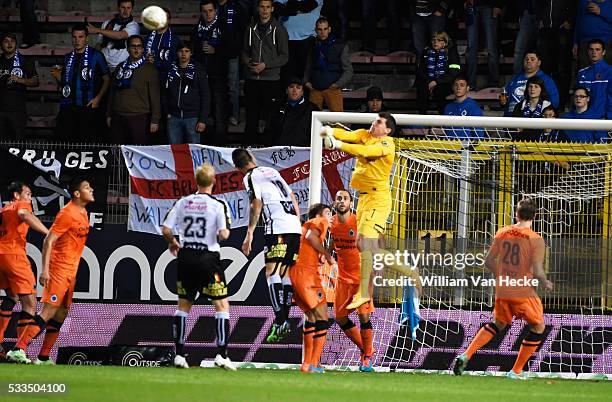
(154,18)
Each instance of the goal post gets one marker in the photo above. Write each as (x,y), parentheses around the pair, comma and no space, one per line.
(450,195)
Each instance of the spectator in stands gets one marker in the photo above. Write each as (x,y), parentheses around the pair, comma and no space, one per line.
(17,73)
(328,68)
(516,87)
(597,78)
(428,17)
(264,52)
(115,32)
(374,101)
(582,110)
(534,102)
(487,13)
(528,32)
(549,134)
(299,18)
(369,18)
(186,98)
(336,12)
(161,48)
(463,106)
(437,68)
(134,101)
(290,119)
(84,80)
(29,22)
(593,21)
(556,20)
(234,19)
(210,51)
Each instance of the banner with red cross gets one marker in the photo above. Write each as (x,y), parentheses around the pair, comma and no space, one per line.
(160,175)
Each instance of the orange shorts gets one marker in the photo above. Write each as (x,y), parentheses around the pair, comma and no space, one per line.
(59,290)
(308,291)
(528,308)
(16,274)
(344,295)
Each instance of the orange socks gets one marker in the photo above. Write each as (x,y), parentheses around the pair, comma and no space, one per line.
(529,345)
(367,333)
(318,341)
(484,335)
(307,340)
(25,319)
(51,333)
(31,332)
(351,332)
(6,311)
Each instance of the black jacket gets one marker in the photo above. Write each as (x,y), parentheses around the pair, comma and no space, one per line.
(553,13)
(451,67)
(290,125)
(195,102)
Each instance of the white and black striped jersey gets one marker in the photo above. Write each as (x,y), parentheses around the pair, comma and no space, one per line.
(197,218)
(267,185)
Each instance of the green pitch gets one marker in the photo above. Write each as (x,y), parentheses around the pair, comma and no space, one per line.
(195,384)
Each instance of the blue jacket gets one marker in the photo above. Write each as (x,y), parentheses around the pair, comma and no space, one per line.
(598,79)
(590,26)
(468,107)
(584,135)
(516,91)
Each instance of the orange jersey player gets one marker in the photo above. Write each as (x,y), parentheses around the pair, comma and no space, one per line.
(516,258)
(16,276)
(61,254)
(344,241)
(309,294)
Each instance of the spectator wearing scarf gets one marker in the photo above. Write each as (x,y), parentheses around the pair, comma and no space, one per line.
(437,69)
(83,83)
(16,74)
(114,33)
(186,98)
(210,51)
(134,105)
(328,68)
(536,100)
(161,48)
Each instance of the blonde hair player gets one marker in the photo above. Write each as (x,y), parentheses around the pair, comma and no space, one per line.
(375,152)
(201,221)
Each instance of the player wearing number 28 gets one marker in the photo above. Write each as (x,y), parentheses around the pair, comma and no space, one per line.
(375,152)
(516,256)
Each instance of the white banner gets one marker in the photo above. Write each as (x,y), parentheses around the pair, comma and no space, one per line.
(159,175)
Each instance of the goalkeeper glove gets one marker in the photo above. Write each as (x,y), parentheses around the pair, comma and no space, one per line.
(329,142)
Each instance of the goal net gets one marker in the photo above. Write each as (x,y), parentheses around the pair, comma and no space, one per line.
(455,182)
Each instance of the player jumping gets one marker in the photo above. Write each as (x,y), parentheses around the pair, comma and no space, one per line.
(375,152)
(16,276)
(270,194)
(309,293)
(344,236)
(200,220)
(62,250)
(517,252)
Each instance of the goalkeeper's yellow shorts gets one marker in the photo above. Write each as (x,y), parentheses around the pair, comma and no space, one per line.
(373,209)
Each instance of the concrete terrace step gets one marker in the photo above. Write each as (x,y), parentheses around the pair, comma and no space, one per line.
(487,94)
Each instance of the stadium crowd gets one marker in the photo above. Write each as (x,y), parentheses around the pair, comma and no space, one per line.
(122,85)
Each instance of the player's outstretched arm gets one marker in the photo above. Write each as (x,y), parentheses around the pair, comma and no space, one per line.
(377,150)
(348,136)
(32,221)
(50,240)
(254,212)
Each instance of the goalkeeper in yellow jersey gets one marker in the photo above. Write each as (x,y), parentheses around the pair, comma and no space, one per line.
(375,152)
